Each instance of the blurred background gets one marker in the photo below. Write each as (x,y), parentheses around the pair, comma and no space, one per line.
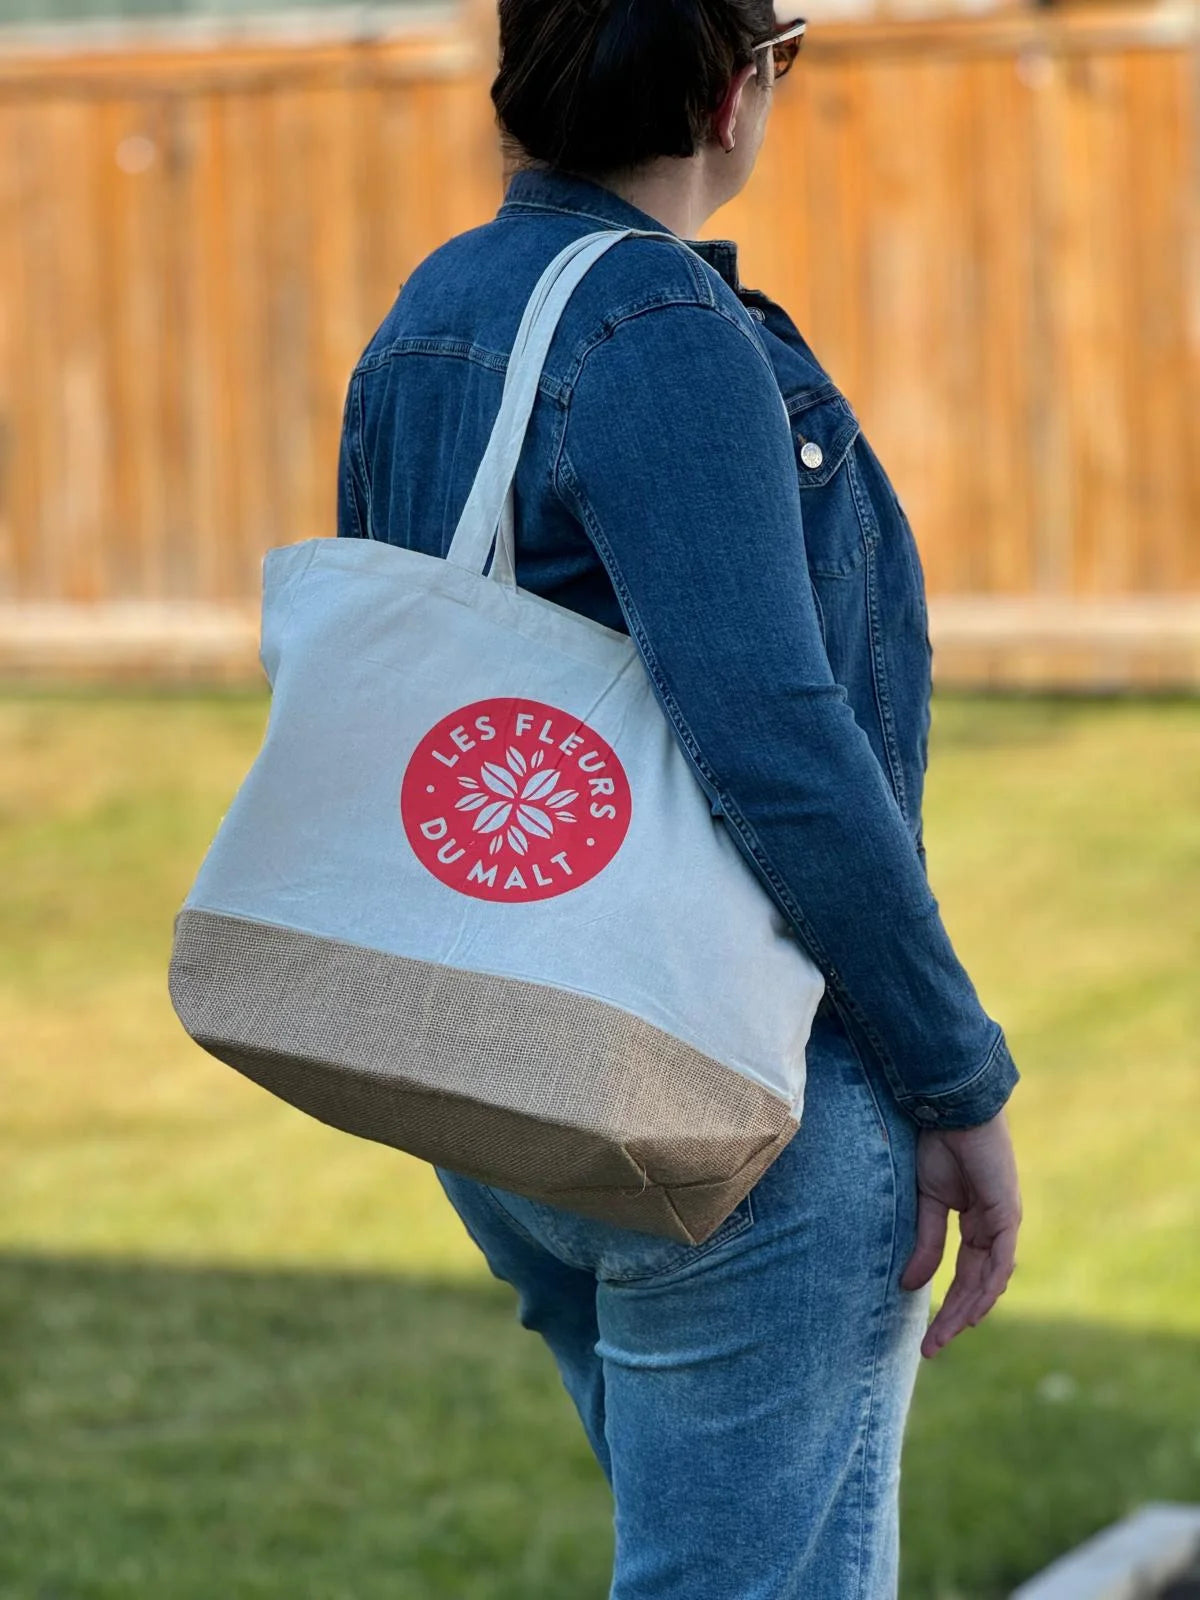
(243,1355)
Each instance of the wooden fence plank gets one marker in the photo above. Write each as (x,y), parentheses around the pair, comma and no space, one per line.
(988,228)
(995,641)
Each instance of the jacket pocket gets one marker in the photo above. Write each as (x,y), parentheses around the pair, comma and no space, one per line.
(824,427)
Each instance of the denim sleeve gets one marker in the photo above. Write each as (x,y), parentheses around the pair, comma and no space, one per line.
(352,510)
(677,457)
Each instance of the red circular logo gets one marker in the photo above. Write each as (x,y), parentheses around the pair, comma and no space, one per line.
(511,799)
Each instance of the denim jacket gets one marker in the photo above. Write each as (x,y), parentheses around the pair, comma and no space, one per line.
(756,553)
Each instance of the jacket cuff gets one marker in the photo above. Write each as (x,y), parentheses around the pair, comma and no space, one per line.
(975,1101)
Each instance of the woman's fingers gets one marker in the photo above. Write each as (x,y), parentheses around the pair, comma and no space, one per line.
(955,1310)
(1002,1261)
(980,1278)
(930,1245)
(972,1171)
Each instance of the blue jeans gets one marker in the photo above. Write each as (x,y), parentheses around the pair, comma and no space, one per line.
(745,1397)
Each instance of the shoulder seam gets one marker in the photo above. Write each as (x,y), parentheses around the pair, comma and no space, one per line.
(610,326)
(444,345)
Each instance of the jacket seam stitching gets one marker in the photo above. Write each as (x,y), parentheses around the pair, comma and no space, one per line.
(695,263)
(801,400)
(349,495)
(968,1084)
(362,460)
(879,683)
(459,350)
(618,320)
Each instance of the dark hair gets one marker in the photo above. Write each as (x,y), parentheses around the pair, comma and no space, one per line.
(601,86)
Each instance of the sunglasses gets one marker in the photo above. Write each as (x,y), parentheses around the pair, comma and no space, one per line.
(784,45)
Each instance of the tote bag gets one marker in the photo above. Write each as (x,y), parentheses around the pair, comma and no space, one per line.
(471,900)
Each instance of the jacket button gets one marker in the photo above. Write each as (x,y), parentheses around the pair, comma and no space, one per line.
(811,453)
(757,314)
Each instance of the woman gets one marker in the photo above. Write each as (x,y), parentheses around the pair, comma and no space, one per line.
(746,1396)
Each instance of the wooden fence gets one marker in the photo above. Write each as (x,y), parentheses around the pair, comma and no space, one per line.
(987,227)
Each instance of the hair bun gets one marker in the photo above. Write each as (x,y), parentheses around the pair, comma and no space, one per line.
(597,103)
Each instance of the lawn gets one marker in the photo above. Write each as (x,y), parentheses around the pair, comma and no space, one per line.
(242,1355)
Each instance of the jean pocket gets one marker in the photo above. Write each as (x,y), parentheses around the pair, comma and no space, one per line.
(639,1257)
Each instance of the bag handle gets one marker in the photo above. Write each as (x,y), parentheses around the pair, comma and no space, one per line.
(489,512)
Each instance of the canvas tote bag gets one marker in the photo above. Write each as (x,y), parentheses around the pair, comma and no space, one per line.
(471,900)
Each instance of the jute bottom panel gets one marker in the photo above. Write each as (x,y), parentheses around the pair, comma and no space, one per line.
(532,1088)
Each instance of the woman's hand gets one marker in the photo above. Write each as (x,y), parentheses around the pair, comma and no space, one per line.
(972,1171)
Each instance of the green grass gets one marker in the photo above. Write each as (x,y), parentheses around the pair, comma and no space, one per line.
(243,1355)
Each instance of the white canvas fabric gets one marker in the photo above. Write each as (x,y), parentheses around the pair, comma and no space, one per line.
(459,773)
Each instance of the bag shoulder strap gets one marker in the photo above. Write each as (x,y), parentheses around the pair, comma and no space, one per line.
(488,512)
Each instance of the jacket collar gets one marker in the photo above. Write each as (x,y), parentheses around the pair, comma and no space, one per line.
(553,189)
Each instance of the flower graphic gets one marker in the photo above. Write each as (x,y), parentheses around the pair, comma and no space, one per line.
(503,800)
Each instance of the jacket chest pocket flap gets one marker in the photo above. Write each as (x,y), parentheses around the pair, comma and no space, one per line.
(824,427)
